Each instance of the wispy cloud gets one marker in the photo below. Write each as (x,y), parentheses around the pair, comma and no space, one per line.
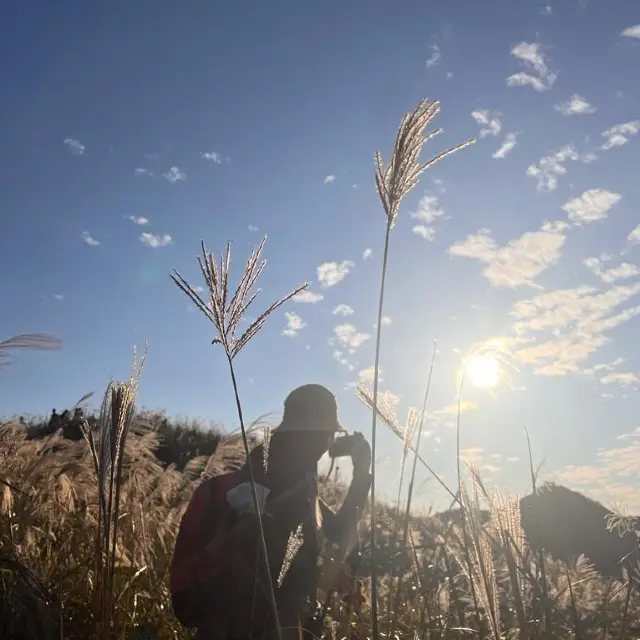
(429,210)
(349,336)
(428,233)
(435,56)
(141,220)
(577,105)
(548,169)
(575,322)
(537,75)
(89,239)
(294,324)
(592,205)
(491,122)
(547,10)
(620,134)
(631,32)
(623,271)
(155,242)
(366,254)
(75,146)
(329,179)
(331,273)
(509,142)
(252,228)
(366,376)
(634,236)
(58,296)
(515,264)
(626,379)
(212,156)
(141,171)
(343,310)
(175,174)
(308,297)
(452,409)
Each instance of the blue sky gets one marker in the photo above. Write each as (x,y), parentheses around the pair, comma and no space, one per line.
(131,131)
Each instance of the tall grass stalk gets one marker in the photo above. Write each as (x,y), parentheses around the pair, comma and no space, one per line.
(540,555)
(31,341)
(107,454)
(407,511)
(393,183)
(225,312)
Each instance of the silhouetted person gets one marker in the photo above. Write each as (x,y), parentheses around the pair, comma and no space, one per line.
(215,564)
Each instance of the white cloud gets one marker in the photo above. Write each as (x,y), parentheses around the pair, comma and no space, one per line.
(154,241)
(75,146)
(631,32)
(386,320)
(626,379)
(366,254)
(58,296)
(428,233)
(548,169)
(175,174)
(366,376)
(452,409)
(577,105)
(515,264)
(530,54)
(329,179)
(343,310)
(213,156)
(252,227)
(349,336)
(509,142)
(547,10)
(592,205)
(492,123)
(435,57)
(307,296)
(141,171)
(634,236)
(139,220)
(331,273)
(428,209)
(623,271)
(554,226)
(341,358)
(294,324)
(575,321)
(619,134)
(523,79)
(89,239)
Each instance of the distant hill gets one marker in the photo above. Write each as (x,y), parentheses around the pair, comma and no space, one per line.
(568,524)
(564,522)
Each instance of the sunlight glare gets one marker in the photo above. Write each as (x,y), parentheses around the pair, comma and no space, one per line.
(483,371)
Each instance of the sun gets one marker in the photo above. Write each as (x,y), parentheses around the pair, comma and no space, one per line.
(483,371)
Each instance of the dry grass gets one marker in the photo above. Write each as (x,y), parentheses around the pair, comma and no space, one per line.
(50,519)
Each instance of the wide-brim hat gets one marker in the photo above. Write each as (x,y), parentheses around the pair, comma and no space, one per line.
(311,407)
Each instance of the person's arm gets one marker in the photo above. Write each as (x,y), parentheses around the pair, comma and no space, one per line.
(338,526)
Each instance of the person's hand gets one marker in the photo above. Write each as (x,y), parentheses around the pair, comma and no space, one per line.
(360,454)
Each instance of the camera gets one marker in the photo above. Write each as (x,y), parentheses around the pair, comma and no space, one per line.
(343,445)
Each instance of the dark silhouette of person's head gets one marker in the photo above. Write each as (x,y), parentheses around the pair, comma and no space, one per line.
(308,427)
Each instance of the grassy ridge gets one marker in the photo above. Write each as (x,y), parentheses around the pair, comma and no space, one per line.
(49,522)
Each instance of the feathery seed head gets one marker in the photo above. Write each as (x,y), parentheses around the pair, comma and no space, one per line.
(223,310)
(394,181)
